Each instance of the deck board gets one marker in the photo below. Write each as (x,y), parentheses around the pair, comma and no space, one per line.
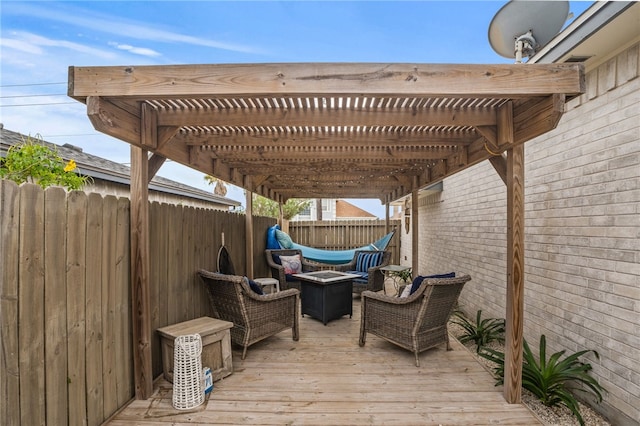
(327,379)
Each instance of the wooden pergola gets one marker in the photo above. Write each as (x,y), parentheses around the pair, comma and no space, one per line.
(327,130)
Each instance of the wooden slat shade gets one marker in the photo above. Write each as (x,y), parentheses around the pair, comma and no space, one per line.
(383,129)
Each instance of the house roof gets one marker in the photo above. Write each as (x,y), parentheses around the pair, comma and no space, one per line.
(345,209)
(101,168)
(327,130)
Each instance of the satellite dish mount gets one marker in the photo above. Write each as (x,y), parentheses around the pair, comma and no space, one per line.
(528,24)
(525,46)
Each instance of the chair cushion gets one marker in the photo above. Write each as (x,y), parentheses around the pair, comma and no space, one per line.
(368,260)
(418,280)
(363,275)
(257,288)
(291,264)
(285,240)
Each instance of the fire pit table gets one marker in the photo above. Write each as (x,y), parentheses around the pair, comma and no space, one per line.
(326,295)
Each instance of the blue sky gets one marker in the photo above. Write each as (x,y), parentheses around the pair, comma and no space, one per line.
(39,40)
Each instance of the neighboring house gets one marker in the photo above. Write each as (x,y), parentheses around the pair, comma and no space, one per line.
(582,215)
(111,178)
(333,209)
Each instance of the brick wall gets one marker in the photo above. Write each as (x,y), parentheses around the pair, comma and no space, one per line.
(582,258)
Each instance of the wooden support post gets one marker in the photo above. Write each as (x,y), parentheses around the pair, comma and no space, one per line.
(414,231)
(387,222)
(249,233)
(515,275)
(143,374)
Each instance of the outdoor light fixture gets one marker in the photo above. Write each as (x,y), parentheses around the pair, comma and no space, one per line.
(407,215)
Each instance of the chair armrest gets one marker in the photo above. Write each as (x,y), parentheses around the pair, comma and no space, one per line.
(343,267)
(269,297)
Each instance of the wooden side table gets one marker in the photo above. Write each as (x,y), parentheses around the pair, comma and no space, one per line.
(216,345)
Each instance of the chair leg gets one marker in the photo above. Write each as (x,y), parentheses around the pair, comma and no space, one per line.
(417,359)
(363,338)
(295,330)
(244,352)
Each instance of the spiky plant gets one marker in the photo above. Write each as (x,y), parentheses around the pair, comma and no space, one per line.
(553,380)
(482,332)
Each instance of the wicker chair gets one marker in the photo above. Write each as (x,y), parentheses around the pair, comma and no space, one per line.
(417,322)
(254,317)
(374,280)
(277,270)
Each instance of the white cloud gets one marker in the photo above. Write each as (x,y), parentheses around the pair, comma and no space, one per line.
(21,45)
(132,29)
(136,50)
(33,44)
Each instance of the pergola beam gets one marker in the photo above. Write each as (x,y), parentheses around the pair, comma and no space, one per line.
(324,80)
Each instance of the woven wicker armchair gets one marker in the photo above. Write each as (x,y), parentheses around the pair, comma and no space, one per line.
(374,280)
(417,322)
(277,270)
(254,317)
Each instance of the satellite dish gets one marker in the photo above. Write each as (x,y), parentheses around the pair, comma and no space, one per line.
(520,28)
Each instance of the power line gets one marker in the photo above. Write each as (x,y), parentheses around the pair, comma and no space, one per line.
(32,96)
(44,104)
(31,84)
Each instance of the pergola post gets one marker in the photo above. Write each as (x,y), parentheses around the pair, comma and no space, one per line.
(249,233)
(414,232)
(141,322)
(515,275)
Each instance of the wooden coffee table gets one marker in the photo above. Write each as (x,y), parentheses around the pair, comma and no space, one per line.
(326,295)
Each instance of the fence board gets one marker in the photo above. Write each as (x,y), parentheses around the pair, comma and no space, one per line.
(173,259)
(158,233)
(30,305)
(186,278)
(76,290)
(9,243)
(122,316)
(108,281)
(93,307)
(55,306)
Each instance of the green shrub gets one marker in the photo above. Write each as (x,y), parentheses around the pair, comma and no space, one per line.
(36,163)
(554,380)
(482,332)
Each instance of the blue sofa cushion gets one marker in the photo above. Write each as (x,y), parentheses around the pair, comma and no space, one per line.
(418,280)
(368,260)
(362,275)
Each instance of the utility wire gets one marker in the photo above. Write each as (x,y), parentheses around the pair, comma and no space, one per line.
(32,96)
(31,84)
(44,104)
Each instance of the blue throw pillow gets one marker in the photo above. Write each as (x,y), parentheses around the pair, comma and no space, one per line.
(257,288)
(284,239)
(418,280)
(367,260)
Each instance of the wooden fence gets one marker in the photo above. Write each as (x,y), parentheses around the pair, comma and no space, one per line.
(65,311)
(65,293)
(345,234)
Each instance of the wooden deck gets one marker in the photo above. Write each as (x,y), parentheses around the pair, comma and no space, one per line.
(327,379)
